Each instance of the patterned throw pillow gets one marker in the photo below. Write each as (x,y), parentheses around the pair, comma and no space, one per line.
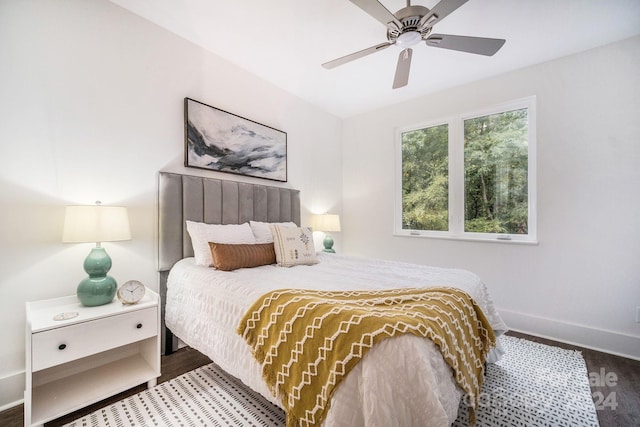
(227,257)
(293,246)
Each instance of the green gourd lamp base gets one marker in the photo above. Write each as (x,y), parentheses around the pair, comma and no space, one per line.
(328,244)
(98,288)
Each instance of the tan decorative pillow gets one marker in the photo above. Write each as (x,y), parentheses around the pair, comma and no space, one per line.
(293,246)
(228,257)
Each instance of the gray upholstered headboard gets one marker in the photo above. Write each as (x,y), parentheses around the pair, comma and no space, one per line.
(214,201)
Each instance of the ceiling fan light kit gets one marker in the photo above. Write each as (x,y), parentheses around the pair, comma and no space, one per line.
(411,25)
(409,39)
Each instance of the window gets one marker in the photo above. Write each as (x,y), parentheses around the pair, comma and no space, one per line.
(470,177)
(425,179)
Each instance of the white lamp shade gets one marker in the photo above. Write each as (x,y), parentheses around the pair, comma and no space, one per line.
(326,222)
(96,223)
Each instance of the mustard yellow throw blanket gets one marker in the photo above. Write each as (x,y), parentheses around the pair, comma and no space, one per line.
(307,341)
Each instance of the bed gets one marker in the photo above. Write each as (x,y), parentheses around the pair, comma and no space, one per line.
(402,380)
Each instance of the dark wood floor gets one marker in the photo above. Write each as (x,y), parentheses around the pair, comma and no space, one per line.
(615,385)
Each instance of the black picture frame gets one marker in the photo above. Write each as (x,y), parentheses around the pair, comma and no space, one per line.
(220,141)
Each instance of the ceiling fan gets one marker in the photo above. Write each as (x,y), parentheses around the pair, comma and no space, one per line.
(409,26)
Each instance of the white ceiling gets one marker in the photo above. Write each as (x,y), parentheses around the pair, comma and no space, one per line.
(285,41)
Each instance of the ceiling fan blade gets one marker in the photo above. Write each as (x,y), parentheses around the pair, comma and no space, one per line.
(348,58)
(402,69)
(478,45)
(378,11)
(441,10)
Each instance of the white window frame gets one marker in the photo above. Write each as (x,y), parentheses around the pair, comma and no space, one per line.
(456,176)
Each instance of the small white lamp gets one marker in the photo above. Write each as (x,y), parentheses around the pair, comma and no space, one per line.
(96,223)
(326,223)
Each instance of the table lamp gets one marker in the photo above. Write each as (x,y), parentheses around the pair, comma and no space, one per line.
(327,223)
(96,223)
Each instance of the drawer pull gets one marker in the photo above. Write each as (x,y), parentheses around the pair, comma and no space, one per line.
(139,326)
(62,346)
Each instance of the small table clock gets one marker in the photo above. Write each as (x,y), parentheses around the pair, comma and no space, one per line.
(131,292)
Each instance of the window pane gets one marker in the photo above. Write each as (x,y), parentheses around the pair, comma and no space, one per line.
(425,179)
(495,173)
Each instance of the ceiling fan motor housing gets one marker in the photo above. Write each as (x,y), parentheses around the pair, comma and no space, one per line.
(410,17)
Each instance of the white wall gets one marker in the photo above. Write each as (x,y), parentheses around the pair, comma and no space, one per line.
(91,107)
(582,282)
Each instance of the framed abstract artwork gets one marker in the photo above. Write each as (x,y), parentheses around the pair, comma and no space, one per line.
(224,142)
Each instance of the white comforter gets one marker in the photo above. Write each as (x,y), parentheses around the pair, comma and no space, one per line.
(403,381)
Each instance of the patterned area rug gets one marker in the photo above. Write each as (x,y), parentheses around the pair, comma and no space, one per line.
(532,385)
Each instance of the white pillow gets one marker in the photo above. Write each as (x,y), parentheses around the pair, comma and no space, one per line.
(202,233)
(262,232)
(293,246)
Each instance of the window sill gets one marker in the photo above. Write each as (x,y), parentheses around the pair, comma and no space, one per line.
(423,235)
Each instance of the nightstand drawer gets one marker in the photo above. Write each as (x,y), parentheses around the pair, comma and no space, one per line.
(64,344)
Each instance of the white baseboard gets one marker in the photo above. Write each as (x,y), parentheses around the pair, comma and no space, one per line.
(11,390)
(584,336)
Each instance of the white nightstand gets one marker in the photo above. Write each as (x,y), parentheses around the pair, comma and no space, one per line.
(76,362)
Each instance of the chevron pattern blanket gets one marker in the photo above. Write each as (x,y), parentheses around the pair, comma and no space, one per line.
(307,341)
